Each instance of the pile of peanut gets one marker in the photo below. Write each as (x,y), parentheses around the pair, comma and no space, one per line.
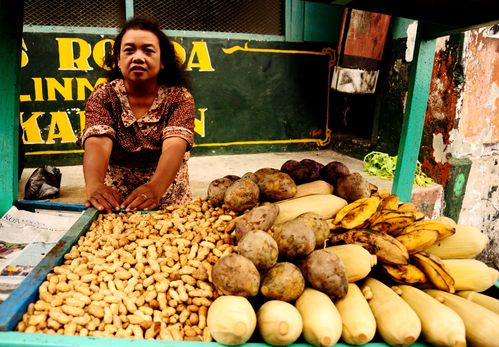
(140,275)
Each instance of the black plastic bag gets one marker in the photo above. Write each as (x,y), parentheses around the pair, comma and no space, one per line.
(44,183)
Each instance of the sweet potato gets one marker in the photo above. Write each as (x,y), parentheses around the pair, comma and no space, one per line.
(313,169)
(294,238)
(353,187)
(234,274)
(284,281)
(332,171)
(318,225)
(217,189)
(241,195)
(259,247)
(296,170)
(250,176)
(276,185)
(261,217)
(325,271)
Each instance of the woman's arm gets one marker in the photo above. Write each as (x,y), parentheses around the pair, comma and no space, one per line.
(95,162)
(147,196)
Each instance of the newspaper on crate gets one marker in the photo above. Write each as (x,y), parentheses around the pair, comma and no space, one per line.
(25,238)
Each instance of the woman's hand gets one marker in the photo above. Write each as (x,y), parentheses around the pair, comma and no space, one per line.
(104,198)
(145,197)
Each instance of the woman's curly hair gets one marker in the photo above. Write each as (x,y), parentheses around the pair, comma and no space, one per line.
(173,74)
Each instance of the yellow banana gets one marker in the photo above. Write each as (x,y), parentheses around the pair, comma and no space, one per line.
(407,207)
(435,271)
(386,248)
(343,212)
(418,240)
(361,213)
(444,230)
(391,202)
(392,222)
(405,274)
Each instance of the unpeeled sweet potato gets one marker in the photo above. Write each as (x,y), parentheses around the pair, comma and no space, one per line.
(259,247)
(318,225)
(294,238)
(332,171)
(284,281)
(261,217)
(353,187)
(304,171)
(217,189)
(241,195)
(325,272)
(275,185)
(234,274)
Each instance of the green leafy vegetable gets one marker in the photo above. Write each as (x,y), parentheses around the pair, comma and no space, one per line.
(382,165)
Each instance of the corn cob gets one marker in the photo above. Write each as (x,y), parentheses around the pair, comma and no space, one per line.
(396,321)
(467,242)
(441,326)
(486,301)
(359,325)
(321,319)
(471,274)
(481,324)
(357,260)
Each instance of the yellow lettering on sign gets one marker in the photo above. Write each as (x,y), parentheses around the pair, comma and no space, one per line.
(179,51)
(67,59)
(82,84)
(99,52)
(199,123)
(24,55)
(38,87)
(200,51)
(66,90)
(32,133)
(63,124)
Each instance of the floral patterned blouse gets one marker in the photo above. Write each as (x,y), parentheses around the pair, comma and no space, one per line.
(137,143)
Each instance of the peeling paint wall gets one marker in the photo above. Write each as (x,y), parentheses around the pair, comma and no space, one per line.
(477,137)
(479,123)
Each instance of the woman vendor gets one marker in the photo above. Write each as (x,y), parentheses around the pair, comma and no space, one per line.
(139,125)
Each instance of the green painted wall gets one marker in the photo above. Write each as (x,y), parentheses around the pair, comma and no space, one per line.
(250,95)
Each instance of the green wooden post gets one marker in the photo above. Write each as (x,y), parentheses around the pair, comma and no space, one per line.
(11,24)
(414,115)
(129,10)
(295,15)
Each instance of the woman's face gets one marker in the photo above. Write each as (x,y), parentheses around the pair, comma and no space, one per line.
(140,56)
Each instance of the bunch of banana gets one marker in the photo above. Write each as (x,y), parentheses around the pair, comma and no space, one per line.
(357,213)
(435,270)
(405,274)
(386,248)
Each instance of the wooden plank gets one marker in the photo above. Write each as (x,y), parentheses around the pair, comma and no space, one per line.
(11,24)
(14,339)
(17,302)
(414,115)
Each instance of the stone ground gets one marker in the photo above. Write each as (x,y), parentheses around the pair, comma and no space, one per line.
(204,169)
